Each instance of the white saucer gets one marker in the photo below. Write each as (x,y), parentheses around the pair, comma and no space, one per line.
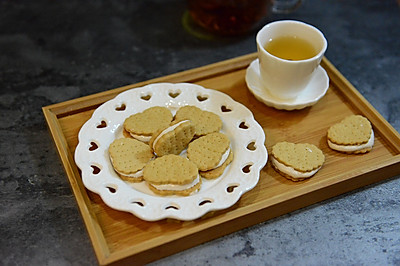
(314,91)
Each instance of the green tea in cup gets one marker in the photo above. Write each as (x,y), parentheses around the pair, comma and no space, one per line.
(291,47)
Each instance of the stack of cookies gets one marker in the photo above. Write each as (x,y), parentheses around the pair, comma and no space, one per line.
(171,153)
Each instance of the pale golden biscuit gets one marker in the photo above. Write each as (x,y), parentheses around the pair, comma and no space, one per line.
(288,176)
(210,151)
(297,161)
(172,175)
(172,139)
(362,151)
(217,172)
(205,122)
(128,157)
(126,134)
(131,179)
(143,125)
(354,134)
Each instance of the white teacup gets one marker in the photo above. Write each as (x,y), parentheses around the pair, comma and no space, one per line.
(285,78)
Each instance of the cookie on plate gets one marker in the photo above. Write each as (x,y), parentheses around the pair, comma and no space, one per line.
(172,175)
(205,122)
(219,170)
(296,161)
(354,134)
(142,126)
(211,153)
(173,139)
(128,157)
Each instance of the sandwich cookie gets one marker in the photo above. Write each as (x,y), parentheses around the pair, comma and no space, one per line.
(205,122)
(173,139)
(211,153)
(128,158)
(142,126)
(172,175)
(296,161)
(353,135)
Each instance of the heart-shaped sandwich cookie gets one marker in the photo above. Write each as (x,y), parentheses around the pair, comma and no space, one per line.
(354,134)
(205,122)
(128,157)
(172,175)
(297,161)
(211,153)
(143,125)
(173,139)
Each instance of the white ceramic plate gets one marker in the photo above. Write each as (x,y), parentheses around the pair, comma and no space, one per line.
(247,142)
(313,92)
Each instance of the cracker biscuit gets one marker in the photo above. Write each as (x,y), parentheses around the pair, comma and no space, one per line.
(205,122)
(172,139)
(217,172)
(297,161)
(354,134)
(172,175)
(128,157)
(210,151)
(143,125)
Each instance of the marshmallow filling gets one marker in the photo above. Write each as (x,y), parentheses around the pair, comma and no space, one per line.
(165,131)
(291,171)
(174,187)
(142,138)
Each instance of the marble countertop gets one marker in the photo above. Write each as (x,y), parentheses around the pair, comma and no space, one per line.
(53,51)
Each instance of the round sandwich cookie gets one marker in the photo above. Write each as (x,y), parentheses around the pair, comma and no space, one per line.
(172,139)
(353,135)
(172,175)
(142,126)
(296,161)
(205,122)
(211,153)
(128,157)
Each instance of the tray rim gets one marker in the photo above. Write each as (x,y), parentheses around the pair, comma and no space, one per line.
(55,111)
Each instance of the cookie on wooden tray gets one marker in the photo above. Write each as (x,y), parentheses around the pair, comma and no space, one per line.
(354,134)
(205,122)
(172,175)
(128,157)
(173,139)
(211,153)
(296,161)
(142,126)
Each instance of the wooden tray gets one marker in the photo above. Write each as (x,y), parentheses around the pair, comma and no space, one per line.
(120,237)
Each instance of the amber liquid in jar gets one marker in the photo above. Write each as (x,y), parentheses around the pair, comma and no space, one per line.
(228,17)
